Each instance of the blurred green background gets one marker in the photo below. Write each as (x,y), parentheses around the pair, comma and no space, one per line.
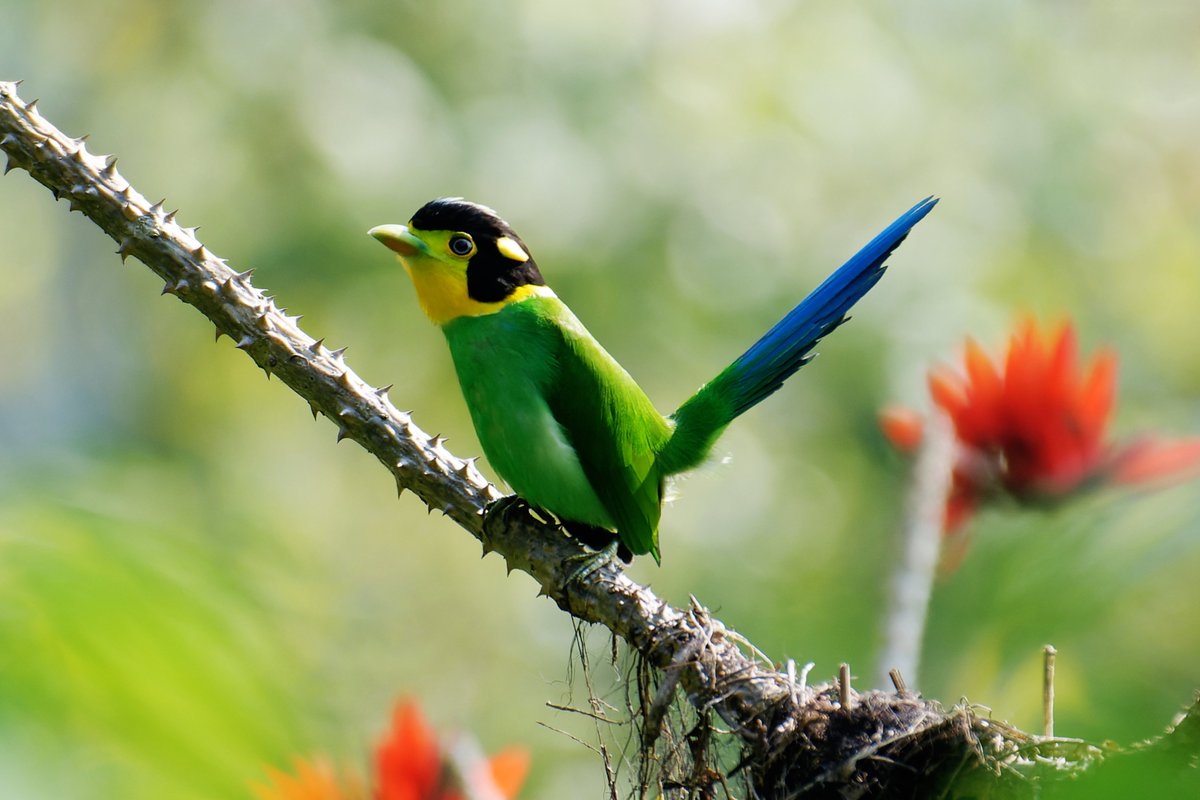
(196,581)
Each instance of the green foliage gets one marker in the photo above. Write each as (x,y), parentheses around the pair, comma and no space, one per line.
(138,648)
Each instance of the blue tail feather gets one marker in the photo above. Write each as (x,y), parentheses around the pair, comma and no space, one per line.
(787,346)
(783,349)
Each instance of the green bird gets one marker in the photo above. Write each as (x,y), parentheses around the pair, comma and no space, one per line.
(558,418)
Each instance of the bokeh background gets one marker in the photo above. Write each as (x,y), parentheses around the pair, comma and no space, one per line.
(195,581)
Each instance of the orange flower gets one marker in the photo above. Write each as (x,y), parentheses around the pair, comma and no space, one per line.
(1035,426)
(314,780)
(409,765)
(903,427)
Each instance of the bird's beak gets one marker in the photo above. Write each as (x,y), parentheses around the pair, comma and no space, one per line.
(399,238)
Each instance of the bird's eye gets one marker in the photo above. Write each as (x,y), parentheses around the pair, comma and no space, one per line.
(461,244)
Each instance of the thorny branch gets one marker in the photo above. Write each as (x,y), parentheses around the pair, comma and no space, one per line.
(796,741)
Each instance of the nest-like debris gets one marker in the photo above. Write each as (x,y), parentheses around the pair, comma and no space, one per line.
(886,745)
(883,745)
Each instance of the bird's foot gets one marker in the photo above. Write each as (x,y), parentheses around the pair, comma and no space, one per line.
(607,546)
(501,513)
(505,507)
(587,564)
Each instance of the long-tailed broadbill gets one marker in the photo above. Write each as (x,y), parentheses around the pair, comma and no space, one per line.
(558,418)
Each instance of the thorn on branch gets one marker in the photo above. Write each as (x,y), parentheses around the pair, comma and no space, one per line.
(11,163)
(125,247)
(127,208)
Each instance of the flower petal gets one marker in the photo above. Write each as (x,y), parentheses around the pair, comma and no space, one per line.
(1148,460)
(408,763)
(903,427)
(981,420)
(1098,394)
(509,768)
(314,780)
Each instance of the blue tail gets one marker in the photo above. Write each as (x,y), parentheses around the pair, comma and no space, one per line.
(782,350)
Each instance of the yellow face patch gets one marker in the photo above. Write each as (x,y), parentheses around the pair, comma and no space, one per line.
(442,289)
(456,274)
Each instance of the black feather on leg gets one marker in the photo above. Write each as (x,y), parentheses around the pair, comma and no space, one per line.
(597,538)
(592,536)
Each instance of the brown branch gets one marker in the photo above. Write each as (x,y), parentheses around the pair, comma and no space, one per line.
(796,741)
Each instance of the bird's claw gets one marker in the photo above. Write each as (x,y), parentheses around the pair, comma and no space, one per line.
(506,504)
(587,564)
(501,513)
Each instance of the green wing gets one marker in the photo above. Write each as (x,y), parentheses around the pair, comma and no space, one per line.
(615,430)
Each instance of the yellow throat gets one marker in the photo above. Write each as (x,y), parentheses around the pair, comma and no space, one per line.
(442,293)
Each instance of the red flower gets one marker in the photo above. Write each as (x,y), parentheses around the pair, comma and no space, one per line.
(1034,427)
(409,765)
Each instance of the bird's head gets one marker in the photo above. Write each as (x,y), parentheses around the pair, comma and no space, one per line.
(464,260)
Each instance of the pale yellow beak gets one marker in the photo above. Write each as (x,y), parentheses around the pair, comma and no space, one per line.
(399,239)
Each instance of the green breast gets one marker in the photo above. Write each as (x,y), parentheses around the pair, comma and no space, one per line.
(560,420)
(507,364)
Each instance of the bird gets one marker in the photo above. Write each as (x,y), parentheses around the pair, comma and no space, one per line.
(558,418)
